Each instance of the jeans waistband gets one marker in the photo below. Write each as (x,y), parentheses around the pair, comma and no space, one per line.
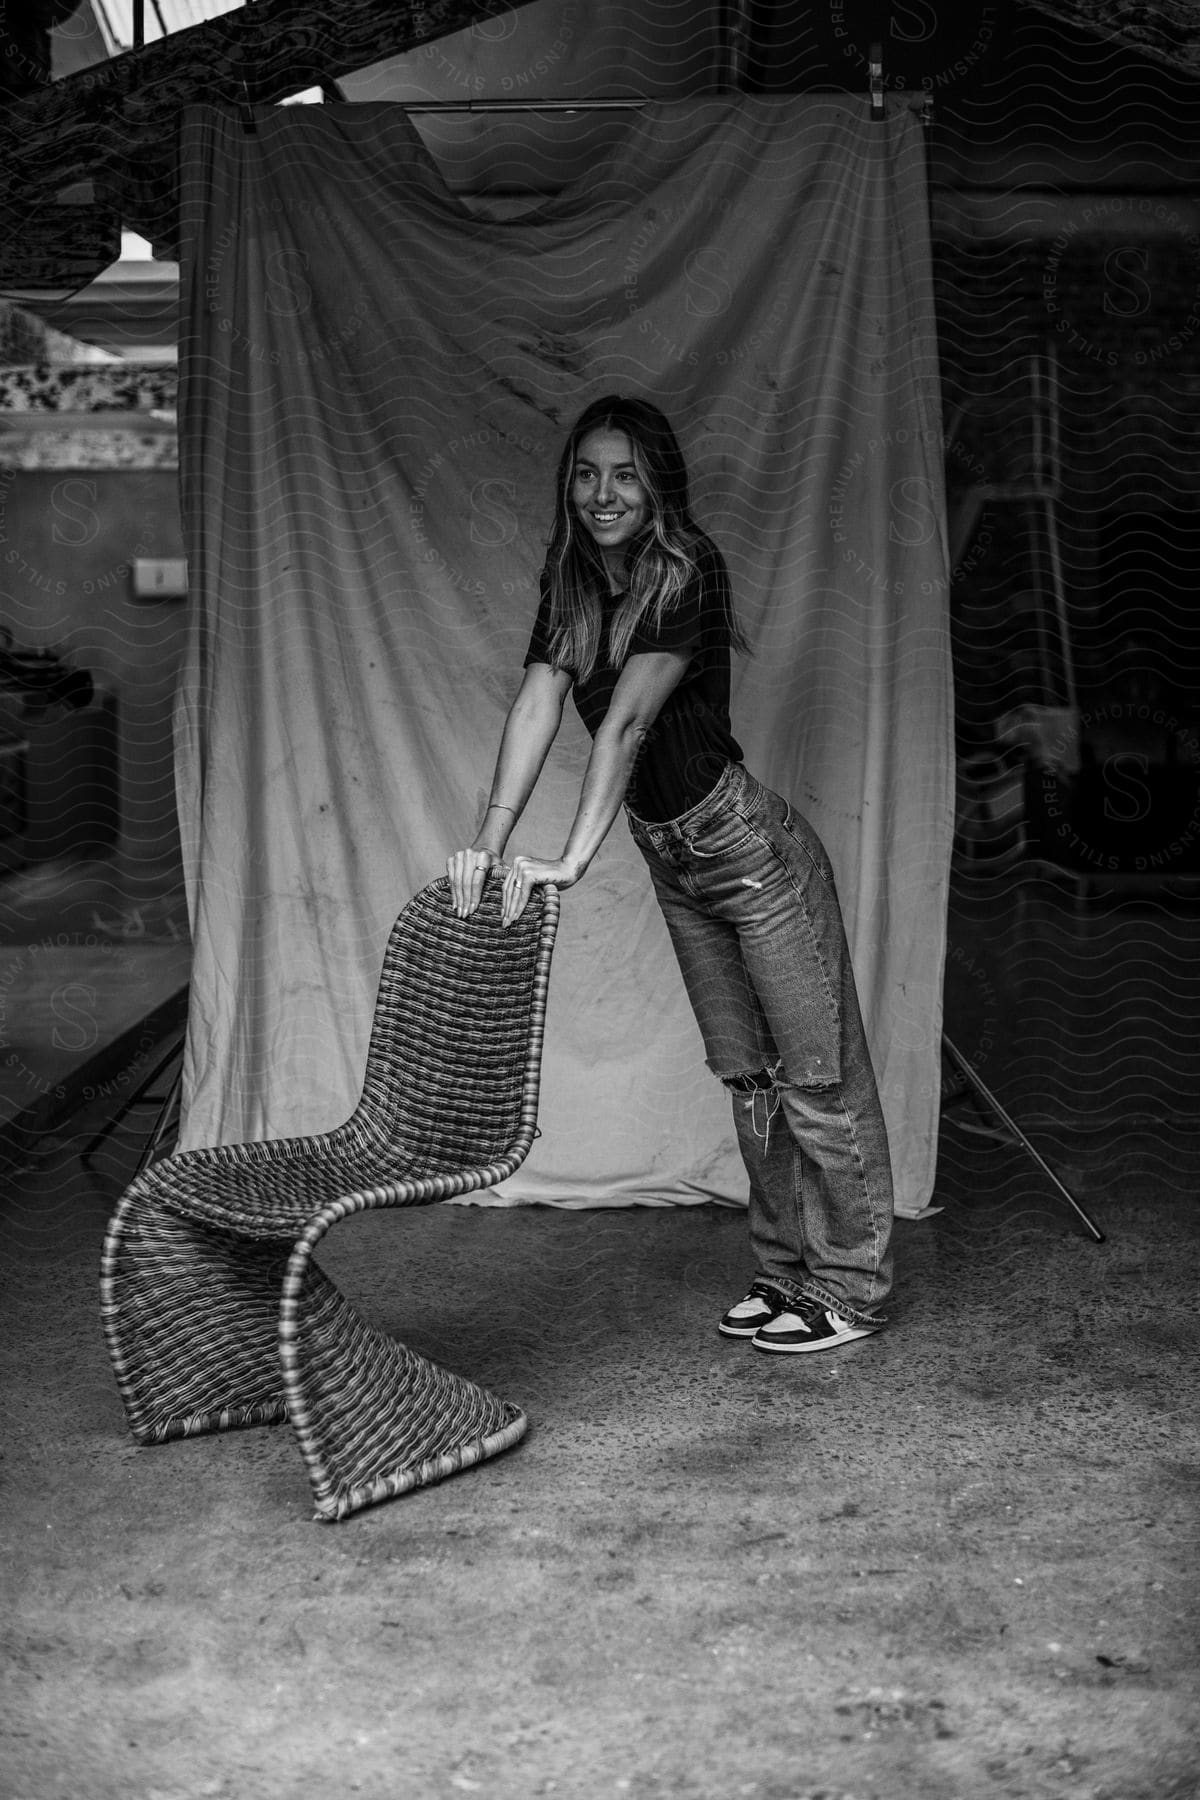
(669,834)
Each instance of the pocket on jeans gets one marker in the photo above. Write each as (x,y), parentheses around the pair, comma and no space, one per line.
(727,836)
(801,833)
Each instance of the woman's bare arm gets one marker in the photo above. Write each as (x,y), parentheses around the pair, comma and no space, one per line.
(643,686)
(529,730)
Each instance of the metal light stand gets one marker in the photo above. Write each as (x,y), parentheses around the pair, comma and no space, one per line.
(168,1106)
(980,1088)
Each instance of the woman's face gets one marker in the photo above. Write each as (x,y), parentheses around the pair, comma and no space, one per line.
(610,502)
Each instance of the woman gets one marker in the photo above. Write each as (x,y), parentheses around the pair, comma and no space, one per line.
(636,620)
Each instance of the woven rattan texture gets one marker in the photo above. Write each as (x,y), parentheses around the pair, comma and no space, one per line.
(198,1312)
(215,1313)
(367,1404)
(442,1091)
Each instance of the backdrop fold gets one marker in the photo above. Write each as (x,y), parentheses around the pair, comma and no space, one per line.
(375,385)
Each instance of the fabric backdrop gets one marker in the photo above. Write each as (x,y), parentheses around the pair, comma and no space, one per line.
(375,385)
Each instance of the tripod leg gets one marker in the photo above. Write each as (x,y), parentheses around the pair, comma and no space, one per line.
(134,1099)
(969,1074)
(170,1104)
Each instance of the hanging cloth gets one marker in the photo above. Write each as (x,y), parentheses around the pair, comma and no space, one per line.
(375,387)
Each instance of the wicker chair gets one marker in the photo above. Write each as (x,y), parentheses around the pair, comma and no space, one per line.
(215,1313)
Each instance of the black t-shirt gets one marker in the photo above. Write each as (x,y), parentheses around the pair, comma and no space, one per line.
(685,751)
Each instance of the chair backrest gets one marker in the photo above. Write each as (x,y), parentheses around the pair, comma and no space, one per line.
(455,1052)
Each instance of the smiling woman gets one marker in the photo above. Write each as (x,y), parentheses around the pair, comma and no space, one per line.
(636,620)
(622,478)
(636,616)
(608,495)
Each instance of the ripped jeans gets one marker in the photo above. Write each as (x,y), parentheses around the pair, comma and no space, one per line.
(749,899)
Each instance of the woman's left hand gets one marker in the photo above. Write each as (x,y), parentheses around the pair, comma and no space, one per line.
(526,873)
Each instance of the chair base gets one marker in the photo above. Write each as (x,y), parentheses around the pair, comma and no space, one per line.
(197,1339)
(337,1501)
(192,1321)
(372,1417)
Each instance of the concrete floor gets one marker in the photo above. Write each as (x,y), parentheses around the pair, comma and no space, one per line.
(953,1561)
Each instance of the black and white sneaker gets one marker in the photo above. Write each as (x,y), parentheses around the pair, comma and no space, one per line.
(806,1326)
(759,1307)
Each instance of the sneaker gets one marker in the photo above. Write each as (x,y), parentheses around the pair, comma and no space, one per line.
(806,1325)
(760,1306)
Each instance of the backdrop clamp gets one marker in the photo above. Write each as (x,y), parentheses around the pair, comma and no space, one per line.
(875,73)
(249,124)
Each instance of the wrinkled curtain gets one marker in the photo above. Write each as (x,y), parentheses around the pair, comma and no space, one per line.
(375,385)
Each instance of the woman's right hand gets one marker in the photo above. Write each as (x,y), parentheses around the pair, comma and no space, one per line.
(468,870)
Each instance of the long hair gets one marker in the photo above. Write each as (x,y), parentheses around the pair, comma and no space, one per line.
(662,559)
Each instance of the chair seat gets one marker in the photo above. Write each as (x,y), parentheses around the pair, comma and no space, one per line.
(265,1195)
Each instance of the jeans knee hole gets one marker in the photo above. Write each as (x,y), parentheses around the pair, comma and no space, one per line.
(761,1081)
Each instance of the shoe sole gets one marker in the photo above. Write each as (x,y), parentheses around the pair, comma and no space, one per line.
(831,1343)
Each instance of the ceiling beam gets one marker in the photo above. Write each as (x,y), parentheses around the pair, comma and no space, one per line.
(115,123)
(1168,30)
